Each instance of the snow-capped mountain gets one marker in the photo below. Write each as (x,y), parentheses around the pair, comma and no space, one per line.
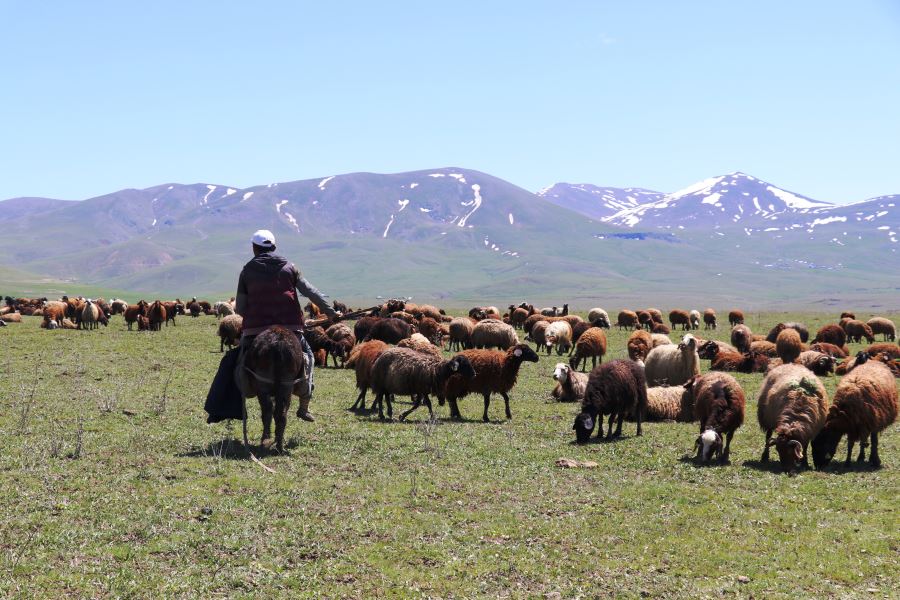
(597,202)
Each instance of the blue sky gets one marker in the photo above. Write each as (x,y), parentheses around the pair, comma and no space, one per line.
(105,95)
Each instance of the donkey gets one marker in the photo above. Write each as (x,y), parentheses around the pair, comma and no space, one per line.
(274,367)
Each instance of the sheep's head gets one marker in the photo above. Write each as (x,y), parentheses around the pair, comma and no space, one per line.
(523,352)
(790,452)
(825,365)
(861,357)
(708,350)
(561,372)
(584,426)
(460,365)
(824,447)
(709,444)
(688,342)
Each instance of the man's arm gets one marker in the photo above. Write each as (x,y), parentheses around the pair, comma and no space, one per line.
(240,299)
(307,289)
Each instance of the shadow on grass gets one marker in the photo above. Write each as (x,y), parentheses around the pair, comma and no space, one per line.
(690,459)
(841,468)
(602,440)
(773,466)
(233,449)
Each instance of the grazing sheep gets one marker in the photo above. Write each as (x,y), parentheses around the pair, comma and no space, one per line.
(856,330)
(709,319)
(362,357)
(410,373)
(363,326)
(765,348)
(655,314)
(831,334)
(695,319)
(420,343)
(673,365)
(659,339)
(592,343)
(680,317)
(598,318)
(865,403)
(735,317)
(461,333)
(559,335)
(570,384)
(660,328)
(883,326)
(819,363)
(616,388)
(390,330)
(492,333)
(539,336)
(517,316)
(639,345)
(194,308)
(719,404)
(847,315)
(627,319)
(791,406)
(741,337)
(431,329)
(830,349)
(645,319)
(230,329)
(496,372)
(788,345)
(892,350)
(670,403)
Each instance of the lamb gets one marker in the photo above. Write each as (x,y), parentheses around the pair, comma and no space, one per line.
(230,329)
(830,349)
(362,357)
(680,317)
(627,319)
(831,334)
(741,336)
(735,317)
(598,318)
(559,335)
(492,333)
(539,336)
(639,344)
(865,403)
(570,384)
(143,323)
(616,388)
(709,319)
(719,405)
(883,326)
(420,343)
(788,345)
(856,330)
(670,403)
(695,319)
(792,404)
(673,365)
(496,372)
(389,330)
(461,333)
(592,343)
(408,372)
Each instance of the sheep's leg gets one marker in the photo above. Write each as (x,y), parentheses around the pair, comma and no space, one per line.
(862,450)
(360,397)
(487,402)
(379,398)
(266,407)
(506,400)
(390,405)
(874,460)
(454,409)
(594,362)
(416,402)
(850,443)
(806,457)
(726,455)
(612,417)
(427,402)
(765,454)
(640,418)
(619,426)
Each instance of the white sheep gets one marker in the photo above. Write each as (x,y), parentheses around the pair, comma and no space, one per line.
(559,334)
(673,365)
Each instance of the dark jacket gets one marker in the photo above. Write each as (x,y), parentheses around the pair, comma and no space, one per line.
(267,294)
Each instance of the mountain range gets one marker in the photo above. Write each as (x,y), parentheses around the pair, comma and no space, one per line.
(458,236)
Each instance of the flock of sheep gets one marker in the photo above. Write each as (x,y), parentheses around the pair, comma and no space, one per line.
(397,349)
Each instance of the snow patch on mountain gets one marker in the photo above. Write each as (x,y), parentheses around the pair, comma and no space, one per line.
(325,181)
(476,201)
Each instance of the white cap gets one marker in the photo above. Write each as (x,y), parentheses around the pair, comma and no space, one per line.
(264,238)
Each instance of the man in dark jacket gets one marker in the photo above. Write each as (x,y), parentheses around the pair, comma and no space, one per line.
(267,296)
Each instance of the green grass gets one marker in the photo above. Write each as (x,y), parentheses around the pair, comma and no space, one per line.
(152,502)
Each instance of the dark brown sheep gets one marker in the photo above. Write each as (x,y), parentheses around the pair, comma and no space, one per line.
(709,319)
(856,330)
(788,345)
(719,405)
(616,388)
(133,311)
(660,328)
(741,338)
(830,349)
(735,317)
(680,317)
(390,331)
(627,319)
(592,343)
(157,315)
(831,334)
(362,357)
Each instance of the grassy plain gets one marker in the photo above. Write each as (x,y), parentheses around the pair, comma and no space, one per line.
(114,486)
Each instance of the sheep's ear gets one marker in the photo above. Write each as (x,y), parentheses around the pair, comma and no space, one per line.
(517,352)
(589,423)
(454,366)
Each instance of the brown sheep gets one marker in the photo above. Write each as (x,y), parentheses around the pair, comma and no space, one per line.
(719,405)
(655,314)
(660,328)
(133,311)
(892,350)
(617,388)
(884,327)
(12,317)
(343,342)
(792,404)
(627,320)
(230,329)
(831,334)
(680,317)
(639,345)
(461,333)
(819,363)
(496,371)
(419,343)
(865,403)
(431,329)
(592,343)
(765,348)
(830,349)
(740,363)
(741,337)
(856,330)
(735,317)
(669,403)
(645,319)
(788,345)
(709,319)
(362,357)
(157,315)
(848,315)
